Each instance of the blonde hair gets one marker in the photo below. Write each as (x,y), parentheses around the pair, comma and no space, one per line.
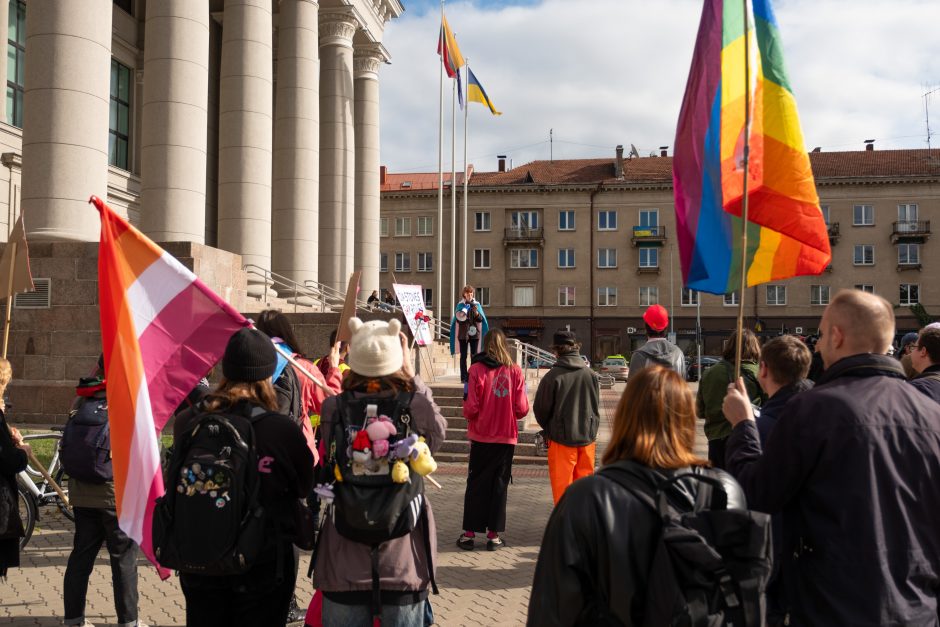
(6,374)
(495,345)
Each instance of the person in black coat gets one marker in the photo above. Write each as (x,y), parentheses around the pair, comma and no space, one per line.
(852,465)
(593,566)
(13,457)
(925,358)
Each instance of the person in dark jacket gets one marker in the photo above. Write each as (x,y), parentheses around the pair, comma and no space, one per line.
(851,466)
(925,358)
(14,453)
(594,563)
(784,365)
(567,406)
(261,595)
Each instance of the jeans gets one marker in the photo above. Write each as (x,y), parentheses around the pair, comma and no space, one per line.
(339,615)
(468,348)
(92,528)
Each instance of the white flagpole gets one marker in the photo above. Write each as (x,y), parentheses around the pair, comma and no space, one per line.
(453,194)
(440,187)
(466,217)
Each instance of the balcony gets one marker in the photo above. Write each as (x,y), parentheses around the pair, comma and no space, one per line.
(909,266)
(647,270)
(910,231)
(523,235)
(833,229)
(648,235)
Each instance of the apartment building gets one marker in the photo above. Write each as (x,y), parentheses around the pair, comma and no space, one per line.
(588,244)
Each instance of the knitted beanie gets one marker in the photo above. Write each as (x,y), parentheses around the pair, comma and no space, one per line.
(249,356)
(375,348)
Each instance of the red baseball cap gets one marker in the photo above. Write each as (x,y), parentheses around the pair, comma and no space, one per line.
(656,317)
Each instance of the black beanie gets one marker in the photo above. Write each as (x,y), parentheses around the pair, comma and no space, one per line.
(249,356)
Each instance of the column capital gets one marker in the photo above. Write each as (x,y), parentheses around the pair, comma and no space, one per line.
(315,2)
(337,27)
(366,60)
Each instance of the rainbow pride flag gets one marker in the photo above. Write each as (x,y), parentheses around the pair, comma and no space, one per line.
(787,235)
(162,330)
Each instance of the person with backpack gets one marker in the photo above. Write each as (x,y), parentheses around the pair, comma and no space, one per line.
(714,385)
(658,351)
(567,407)
(614,549)
(13,458)
(374,561)
(85,454)
(496,399)
(234,483)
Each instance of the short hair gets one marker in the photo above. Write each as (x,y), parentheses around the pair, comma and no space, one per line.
(787,358)
(929,339)
(750,347)
(866,320)
(467,288)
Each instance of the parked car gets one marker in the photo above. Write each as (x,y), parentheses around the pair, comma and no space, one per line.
(692,371)
(615,366)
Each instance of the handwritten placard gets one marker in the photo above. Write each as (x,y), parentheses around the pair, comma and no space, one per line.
(411,299)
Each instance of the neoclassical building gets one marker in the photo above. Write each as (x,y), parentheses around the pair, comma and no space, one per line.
(247,125)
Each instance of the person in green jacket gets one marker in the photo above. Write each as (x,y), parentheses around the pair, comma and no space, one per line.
(713,387)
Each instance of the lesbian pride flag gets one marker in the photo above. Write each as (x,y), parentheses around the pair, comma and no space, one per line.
(786,232)
(162,330)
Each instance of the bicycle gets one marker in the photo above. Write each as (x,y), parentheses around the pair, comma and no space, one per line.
(35,491)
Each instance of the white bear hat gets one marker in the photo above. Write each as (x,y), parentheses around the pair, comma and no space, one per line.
(375,348)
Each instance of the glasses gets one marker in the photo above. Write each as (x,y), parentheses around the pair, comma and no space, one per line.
(915,347)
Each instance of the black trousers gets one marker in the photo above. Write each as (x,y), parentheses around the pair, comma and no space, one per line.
(468,348)
(259,597)
(94,527)
(716,452)
(484,503)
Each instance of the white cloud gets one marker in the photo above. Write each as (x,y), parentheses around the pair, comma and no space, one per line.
(607,72)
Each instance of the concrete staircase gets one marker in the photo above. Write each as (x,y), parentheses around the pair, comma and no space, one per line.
(456,448)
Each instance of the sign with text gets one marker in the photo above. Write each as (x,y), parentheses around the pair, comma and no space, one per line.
(411,298)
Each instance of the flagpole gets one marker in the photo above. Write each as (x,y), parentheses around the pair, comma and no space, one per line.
(440,188)
(466,174)
(747,131)
(453,193)
(6,326)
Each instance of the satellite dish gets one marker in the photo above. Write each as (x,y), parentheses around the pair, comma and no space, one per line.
(634,152)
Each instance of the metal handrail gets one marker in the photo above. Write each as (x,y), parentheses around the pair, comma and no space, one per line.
(528,351)
(277,280)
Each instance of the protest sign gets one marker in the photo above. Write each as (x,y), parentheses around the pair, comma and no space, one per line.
(411,298)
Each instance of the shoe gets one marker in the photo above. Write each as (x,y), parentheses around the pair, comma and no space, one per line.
(294,613)
(494,543)
(465,542)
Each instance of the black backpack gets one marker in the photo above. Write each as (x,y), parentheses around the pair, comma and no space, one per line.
(290,395)
(710,565)
(85,450)
(210,521)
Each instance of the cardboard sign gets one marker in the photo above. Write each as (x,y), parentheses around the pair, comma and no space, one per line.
(411,299)
(343,334)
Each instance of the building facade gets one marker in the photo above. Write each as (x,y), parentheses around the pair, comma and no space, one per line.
(246,125)
(589,244)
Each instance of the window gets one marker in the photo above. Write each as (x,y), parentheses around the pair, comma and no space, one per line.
(524,258)
(383,227)
(402,262)
(731,299)
(864,255)
(16,55)
(907,213)
(607,221)
(566,296)
(606,257)
(649,257)
(481,258)
(118,122)
(428,297)
(649,217)
(649,295)
(566,220)
(908,254)
(523,296)
(402,227)
(425,262)
(689,297)
(566,257)
(481,221)
(910,294)
(607,297)
(524,220)
(863,215)
(818,294)
(825,213)
(483,295)
(776,294)
(126,5)
(864,287)
(383,262)
(425,225)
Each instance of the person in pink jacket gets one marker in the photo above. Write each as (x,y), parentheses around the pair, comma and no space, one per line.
(496,399)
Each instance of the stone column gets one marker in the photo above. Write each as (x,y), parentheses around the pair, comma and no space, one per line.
(175,119)
(296,214)
(337,146)
(65,117)
(366,59)
(245,128)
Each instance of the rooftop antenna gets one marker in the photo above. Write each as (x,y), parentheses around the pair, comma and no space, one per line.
(927,110)
(551,146)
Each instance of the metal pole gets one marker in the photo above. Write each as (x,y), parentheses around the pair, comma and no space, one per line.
(747,132)
(6,326)
(440,187)
(453,193)
(466,175)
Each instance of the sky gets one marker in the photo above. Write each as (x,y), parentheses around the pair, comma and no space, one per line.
(598,73)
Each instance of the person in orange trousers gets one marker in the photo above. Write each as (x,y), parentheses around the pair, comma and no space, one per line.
(567,407)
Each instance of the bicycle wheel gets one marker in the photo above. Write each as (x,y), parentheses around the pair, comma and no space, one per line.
(63,480)
(28,513)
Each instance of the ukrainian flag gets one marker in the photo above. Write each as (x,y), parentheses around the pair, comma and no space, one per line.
(476,93)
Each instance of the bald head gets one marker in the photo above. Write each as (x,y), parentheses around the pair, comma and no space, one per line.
(856,322)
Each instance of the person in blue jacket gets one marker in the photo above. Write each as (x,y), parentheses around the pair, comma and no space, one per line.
(468,325)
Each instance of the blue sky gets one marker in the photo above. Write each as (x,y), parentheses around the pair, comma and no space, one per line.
(607,72)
